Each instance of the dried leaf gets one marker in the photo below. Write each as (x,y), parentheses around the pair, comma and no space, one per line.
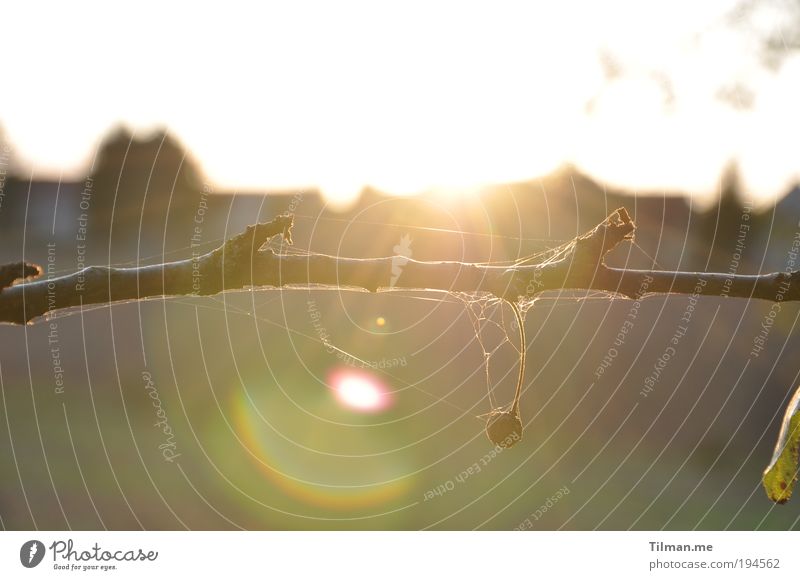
(781,474)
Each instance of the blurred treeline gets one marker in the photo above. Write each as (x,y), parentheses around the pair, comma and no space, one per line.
(145,196)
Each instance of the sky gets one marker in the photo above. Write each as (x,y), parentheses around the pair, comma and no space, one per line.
(412,96)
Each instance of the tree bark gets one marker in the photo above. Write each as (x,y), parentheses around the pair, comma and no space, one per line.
(241,262)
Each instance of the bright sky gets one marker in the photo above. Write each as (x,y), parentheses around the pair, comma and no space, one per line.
(410,95)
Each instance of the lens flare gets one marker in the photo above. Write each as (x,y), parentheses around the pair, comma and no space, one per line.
(359,390)
(362,485)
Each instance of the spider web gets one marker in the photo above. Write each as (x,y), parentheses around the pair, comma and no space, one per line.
(489,316)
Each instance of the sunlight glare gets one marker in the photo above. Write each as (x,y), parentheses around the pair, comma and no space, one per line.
(360,391)
(477,97)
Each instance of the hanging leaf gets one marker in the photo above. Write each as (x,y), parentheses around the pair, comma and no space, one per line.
(781,474)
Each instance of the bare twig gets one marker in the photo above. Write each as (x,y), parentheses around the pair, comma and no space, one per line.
(241,262)
(10,273)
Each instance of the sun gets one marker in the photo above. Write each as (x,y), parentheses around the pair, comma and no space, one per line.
(359,391)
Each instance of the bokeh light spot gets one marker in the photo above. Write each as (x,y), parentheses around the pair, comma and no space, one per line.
(359,390)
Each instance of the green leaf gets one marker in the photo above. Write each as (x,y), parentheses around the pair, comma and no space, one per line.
(781,474)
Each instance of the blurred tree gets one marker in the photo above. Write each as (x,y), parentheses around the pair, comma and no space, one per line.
(725,227)
(150,183)
(774,23)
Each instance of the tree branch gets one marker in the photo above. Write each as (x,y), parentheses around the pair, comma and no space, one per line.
(241,262)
